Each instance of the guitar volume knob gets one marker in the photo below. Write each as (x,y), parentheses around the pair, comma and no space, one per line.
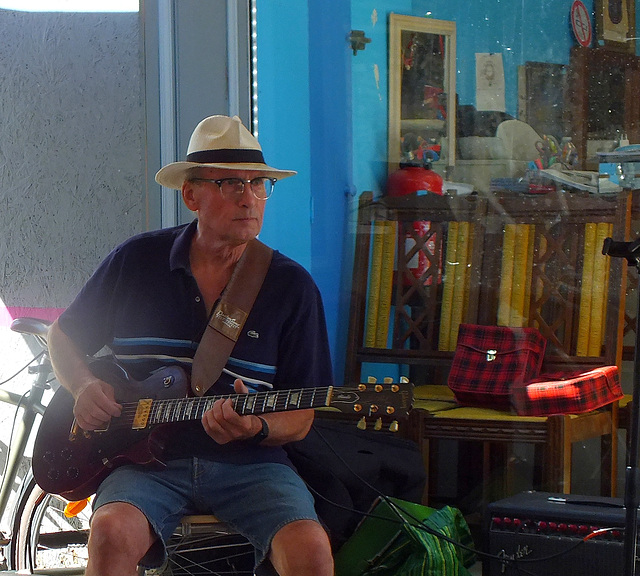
(66,454)
(53,474)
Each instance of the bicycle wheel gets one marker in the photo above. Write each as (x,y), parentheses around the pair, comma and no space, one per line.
(207,548)
(43,538)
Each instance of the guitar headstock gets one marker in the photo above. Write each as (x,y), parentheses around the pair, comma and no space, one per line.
(383,403)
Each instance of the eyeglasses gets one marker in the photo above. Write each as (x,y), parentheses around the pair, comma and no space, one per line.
(232,188)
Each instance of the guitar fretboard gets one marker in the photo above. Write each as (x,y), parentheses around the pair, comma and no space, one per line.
(147,412)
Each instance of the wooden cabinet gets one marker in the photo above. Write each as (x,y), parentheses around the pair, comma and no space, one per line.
(507,259)
(602,99)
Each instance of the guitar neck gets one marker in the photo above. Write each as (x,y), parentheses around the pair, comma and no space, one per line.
(150,412)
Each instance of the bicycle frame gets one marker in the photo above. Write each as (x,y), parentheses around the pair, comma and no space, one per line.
(30,405)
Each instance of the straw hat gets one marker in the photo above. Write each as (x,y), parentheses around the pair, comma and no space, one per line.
(219,142)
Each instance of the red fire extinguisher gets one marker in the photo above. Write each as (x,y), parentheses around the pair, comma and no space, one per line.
(413,178)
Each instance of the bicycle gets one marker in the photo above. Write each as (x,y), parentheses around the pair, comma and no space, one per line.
(41,534)
(48,534)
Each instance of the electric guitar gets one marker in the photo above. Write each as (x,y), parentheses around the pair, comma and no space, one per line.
(72,462)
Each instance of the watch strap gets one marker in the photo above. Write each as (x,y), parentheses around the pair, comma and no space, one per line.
(262,433)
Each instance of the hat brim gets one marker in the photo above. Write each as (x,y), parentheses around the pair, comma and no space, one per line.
(173,175)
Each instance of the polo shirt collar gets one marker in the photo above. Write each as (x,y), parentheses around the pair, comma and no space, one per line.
(179,256)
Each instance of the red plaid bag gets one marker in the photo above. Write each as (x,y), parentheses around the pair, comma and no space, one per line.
(490,360)
(568,394)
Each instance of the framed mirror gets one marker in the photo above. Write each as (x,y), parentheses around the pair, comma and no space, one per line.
(422,90)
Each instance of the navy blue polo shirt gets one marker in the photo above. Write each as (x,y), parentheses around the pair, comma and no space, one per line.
(144,304)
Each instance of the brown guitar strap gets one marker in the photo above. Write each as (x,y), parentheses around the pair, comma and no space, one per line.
(228,317)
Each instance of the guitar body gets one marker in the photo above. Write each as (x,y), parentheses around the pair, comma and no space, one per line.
(72,462)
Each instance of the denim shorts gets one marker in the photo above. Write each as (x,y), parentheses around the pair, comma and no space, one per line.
(255,499)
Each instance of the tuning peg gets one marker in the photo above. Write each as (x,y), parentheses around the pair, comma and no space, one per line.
(378,425)
(372,380)
(388,380)
(393,427)
(362,424)
(404,380)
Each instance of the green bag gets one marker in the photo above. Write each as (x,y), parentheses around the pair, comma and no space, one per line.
(392,542)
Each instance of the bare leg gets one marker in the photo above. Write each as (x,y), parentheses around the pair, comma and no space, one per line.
(302,548)
(120,536)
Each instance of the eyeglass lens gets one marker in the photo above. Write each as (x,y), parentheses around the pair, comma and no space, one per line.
(261,187)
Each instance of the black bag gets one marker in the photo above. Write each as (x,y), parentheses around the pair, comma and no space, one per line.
(346,469)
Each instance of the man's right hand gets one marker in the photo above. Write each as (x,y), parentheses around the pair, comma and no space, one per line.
(95,402)
(95,405)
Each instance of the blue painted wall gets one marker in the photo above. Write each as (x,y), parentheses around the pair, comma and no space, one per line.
(304,124)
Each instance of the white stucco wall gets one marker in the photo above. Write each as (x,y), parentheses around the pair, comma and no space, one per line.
(71,149)
(71,162)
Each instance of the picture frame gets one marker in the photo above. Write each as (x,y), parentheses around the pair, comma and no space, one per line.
(542,92)
(422,90)
(616,24)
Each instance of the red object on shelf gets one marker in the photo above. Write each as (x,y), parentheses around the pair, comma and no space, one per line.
(410,179)
(419,180)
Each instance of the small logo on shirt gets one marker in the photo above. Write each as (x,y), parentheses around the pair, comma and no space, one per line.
(253,334)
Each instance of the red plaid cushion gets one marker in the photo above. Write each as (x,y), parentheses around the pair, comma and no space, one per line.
(489,360)
(572,394)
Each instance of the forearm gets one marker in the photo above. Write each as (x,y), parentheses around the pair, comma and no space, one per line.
(69,364)
(287,427)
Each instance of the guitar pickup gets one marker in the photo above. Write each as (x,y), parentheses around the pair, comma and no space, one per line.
(141,417)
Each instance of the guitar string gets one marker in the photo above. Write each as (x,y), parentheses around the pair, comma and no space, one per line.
(162,410)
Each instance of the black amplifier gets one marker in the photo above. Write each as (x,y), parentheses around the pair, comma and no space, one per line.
(544,534)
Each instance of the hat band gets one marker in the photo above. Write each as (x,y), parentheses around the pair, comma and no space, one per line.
(227,156)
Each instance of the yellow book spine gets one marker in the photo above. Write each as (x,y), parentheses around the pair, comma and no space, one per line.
(386,283)
(540,247)
(373,296)
(586,291)
(598,308)
(521,251)
(448,288)
(467,273)
(605,295)
(506,276)
(461,283)
(528,287)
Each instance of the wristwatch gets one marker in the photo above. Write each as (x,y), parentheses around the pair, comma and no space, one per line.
(262,434)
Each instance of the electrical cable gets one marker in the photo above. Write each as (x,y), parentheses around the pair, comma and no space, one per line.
(36,357)
(401,513)
(18,406)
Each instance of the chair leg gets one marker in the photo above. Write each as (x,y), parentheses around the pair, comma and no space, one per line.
(558,456)
(606,467)
(609,457)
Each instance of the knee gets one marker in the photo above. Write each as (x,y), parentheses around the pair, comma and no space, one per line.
(119,528)
(302,548)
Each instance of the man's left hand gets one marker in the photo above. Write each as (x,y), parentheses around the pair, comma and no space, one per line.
(225,425)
